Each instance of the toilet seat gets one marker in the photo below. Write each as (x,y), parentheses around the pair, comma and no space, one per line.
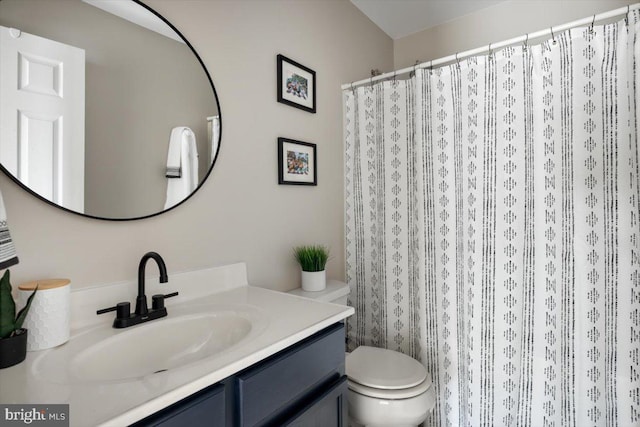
(385,374)
(387,394)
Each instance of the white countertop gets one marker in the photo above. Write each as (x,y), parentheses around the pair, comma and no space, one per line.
(287,319)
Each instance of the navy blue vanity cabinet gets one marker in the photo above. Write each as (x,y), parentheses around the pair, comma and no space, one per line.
(302,382)
(301,386)
(204,408)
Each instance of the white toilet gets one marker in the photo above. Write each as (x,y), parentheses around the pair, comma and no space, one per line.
(386,388)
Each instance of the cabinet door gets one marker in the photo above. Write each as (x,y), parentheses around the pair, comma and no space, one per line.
(205,408)
(327,410)
(269,389)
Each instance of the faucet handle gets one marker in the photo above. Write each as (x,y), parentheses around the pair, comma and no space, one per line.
(106,310)
(157,301)
(123,310)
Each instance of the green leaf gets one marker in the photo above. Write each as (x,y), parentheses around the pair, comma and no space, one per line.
(7,307)
(22,314)
(311,258)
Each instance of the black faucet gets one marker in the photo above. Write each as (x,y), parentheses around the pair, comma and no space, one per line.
(124,317)
(141,300)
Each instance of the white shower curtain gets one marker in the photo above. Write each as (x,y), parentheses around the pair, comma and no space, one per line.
(492,229)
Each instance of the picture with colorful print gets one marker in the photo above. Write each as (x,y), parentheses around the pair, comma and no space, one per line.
(296,85)
(297,162)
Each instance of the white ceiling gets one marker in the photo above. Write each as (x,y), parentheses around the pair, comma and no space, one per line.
(399,18)
(136,14)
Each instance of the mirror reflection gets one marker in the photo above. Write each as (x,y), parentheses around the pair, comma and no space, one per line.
(104,109)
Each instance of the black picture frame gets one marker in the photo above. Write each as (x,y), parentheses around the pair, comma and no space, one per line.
(294,88)
(290,151)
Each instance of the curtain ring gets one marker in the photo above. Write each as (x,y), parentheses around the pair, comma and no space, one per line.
(593,23)
(525,44)
(352,87)
(371,82)
(431,67)
(457,60)
(626,17)
(490,52)
(553,36)
(415,67)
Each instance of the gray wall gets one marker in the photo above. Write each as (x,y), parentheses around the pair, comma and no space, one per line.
(241,213)
(139,85)
(503,21)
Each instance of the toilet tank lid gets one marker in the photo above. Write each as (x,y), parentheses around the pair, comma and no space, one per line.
(335,289)
(384,369)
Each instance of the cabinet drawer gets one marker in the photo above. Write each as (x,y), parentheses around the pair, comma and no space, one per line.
(205,408)
(327,410)
(288,375)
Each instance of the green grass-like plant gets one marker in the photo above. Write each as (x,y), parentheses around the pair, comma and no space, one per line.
(311,258)
(10,323)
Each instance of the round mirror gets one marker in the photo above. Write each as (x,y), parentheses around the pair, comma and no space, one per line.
(105,109)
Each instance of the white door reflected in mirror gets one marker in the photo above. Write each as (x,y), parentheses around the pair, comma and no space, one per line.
(42,115)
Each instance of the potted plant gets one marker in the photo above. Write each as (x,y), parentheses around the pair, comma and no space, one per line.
(312,260)
(13,338)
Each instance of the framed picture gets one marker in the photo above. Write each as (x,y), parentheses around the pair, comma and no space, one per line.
(296,85)
(297,162)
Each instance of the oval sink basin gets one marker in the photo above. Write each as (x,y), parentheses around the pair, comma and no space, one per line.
(158,347)
(107,354)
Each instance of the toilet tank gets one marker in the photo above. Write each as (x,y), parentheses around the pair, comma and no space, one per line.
(336,292)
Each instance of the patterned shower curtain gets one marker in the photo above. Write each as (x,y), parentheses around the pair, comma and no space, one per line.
(492,229)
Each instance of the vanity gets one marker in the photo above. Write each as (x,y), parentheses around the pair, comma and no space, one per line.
(227,354)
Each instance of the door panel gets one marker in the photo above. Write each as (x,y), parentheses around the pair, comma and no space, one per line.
(38,148)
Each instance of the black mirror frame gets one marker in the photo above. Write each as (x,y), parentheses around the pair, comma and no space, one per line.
(215,94)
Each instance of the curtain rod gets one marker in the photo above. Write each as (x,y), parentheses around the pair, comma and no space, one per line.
(494,46)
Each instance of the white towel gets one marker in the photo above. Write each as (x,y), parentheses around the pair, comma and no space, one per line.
(182,162)
(8,256)
(215,136)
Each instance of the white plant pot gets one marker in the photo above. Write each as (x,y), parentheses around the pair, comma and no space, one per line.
(314,281)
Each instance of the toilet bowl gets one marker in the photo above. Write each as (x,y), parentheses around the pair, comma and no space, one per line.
(386,388)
